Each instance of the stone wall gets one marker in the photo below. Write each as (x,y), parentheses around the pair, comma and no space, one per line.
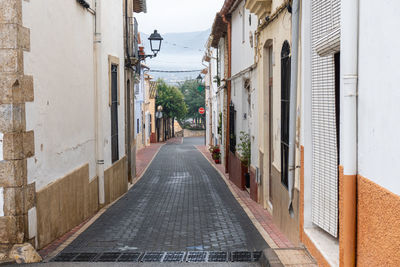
(193,133)
(17,197)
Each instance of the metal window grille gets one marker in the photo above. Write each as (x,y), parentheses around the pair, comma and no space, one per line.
(325,17)
(285,110)
(232,133)
(114,113)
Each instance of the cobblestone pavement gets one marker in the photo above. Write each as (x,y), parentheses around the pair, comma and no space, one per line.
(180,204)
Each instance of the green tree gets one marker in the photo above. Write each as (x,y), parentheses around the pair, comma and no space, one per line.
(194,96)
(172,101)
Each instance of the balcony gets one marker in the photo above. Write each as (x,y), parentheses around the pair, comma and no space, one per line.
(261,8)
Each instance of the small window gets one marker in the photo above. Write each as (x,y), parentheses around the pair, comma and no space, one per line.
(137,125)
(114,113)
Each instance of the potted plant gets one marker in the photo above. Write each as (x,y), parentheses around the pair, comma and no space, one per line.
(244,149)
(216,154)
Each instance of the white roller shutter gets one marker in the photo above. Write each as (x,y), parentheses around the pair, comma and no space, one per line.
(325,19)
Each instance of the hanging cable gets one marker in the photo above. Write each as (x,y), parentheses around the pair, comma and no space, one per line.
(174,71)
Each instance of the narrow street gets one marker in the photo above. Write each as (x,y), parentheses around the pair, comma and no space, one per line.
(180,204)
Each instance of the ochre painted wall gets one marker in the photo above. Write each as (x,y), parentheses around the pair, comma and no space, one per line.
(378,225)
(64,204)
(116,180)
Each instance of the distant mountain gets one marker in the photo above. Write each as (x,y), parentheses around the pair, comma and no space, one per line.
(179,51)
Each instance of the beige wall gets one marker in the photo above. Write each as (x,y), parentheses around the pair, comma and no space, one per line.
(116,180)
(274,34)
(64,204)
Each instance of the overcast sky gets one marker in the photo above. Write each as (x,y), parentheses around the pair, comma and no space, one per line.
(178,15)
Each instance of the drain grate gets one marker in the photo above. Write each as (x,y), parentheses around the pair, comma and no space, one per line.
(129,257)
(174,257)
(217,256)
(153,256)
(108,257)
(196,256)
(241,256)
(65,257)
(170,256)
(85,257)
(257,255)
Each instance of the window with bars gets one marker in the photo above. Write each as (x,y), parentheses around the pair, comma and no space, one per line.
(285,108)
(232,133)
(114,113)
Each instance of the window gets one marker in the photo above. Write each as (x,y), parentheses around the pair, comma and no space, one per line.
(285,109)
(114,113)
(232,133)
(137,125)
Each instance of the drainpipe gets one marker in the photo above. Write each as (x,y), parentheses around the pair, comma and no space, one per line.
(293,102)
(228,21)
(99,104)
(348,126)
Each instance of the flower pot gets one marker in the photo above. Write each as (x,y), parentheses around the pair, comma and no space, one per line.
(247,179)
(217,161)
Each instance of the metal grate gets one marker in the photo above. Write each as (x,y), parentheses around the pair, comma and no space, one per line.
(109,257)
(65,257)
(242,256)
(153,256)
(171,256)
(174,257)
(196,256)
(129,257)
(85,257)
(257,255)
(217,256)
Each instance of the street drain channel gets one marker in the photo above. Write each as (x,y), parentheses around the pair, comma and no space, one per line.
(151,256)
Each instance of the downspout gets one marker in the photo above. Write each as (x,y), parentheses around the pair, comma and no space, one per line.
(228,21)
(348,126)
(99,104)
(293,102)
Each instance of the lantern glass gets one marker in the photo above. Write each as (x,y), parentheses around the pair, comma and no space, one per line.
(155,41)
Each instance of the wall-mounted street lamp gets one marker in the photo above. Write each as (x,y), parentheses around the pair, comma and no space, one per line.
(155,45)
(199,78)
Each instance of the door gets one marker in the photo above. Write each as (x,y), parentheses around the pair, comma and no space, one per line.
(270,121)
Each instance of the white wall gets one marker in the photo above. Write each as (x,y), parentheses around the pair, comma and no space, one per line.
(112,33)
(242,58)
(379,94)
(242,52)
(61,61)
(62,114)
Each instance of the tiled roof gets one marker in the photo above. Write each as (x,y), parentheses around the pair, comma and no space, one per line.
(219,29)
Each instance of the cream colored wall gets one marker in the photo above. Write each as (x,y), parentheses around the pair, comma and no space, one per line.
(62,115)
(62,61)
(274,34)
(112,33)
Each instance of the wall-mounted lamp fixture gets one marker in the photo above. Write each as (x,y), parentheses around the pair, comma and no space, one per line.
(155,45)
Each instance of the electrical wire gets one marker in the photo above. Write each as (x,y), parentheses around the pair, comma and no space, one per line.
(174,71)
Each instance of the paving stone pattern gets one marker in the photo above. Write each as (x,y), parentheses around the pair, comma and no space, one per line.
(180,204)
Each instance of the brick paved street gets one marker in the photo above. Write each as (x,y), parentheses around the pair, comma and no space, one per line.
(180,204)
